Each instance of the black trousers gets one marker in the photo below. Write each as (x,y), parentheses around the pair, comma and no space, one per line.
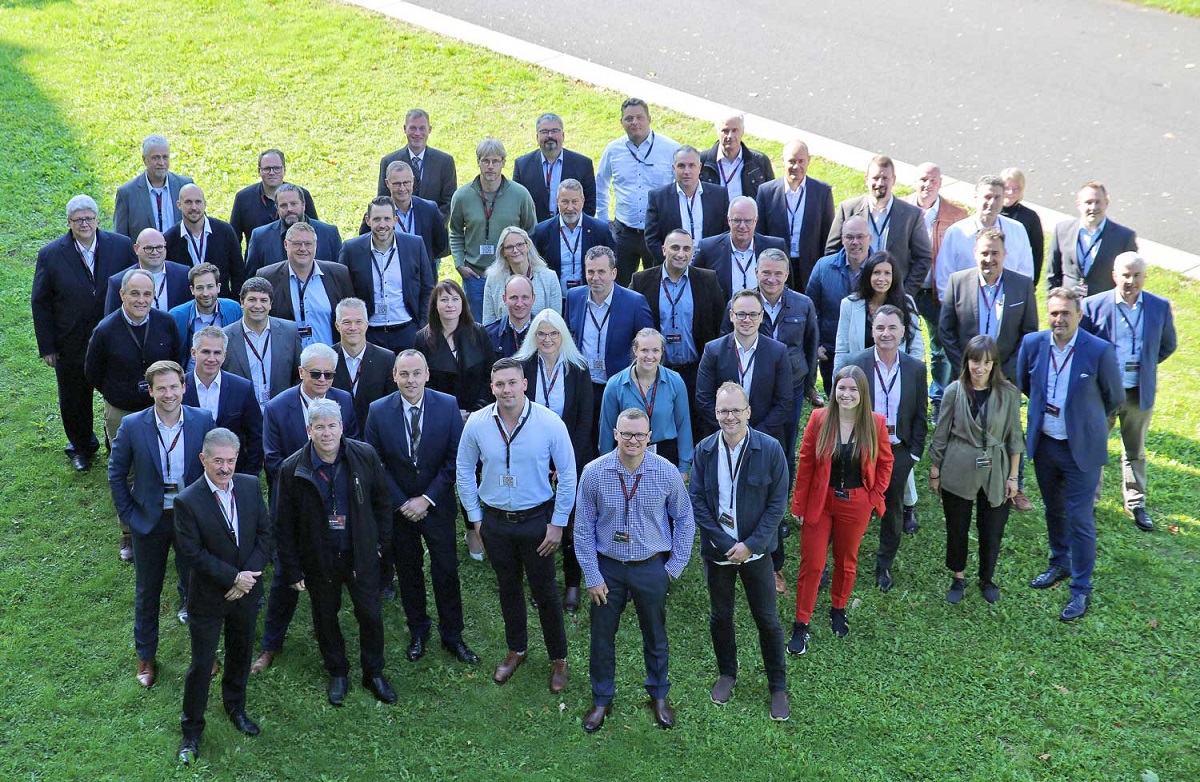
(150,570)
(326,598)
(572,574)
(281,607)
(437,531)
(758,579)
(631,251)
(237,617)
(646,584)
(75,400)
(512,548)
(687,372)
(991,522)
(825,367)
(892,524)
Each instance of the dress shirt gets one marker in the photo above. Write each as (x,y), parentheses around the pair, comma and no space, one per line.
(731,174)
(595,323)
(160,289)
(930,216)
(1087,245)
(991,306)
(170,458)
(603,511)
(313,308)
(743,267)
(879,223)
(727,487)
(745,357)
(88,254)
(552,176)
(570,251)
(887,402)
(1129,333)
(676,309)
(228,505)
(209,397)
(162,205)
(406,409)
(542,438)
(262,344)
(353,367)
(1058,382)
(197,248)
(771,313)
(691,212)
(957,251)
(387,278)
(633,177)
(405,221)
(553,381)
(795,207)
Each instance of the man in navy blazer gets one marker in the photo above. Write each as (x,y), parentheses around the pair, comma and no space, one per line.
(686,203)
(262,349)
(564,239)
(160,447)
(1074,384)
(798,209)
(148,200)
(198,238)
(542,170)
(69,284)
(170,279)
(434,170)
(1142,329)
(733,255)
(227,397)
(415,216)
(1083,250)
(266,243)
(422,483)
(254,205)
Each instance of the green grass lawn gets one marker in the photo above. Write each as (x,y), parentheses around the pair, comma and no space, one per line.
(1185,7)
(920,690)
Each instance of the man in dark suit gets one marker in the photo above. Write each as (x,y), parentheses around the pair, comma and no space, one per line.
(899,392)
(508,332)
(307,290)
(732,164)
(254,205)
(564,239)
(229,399)
(170,279)
(798,209)
(685,203)
(1081,256)
(69,283)
(198,238)
(733,255)
(421,473)
(363,370)
(222,528)
(262,349)
(205,309)
(433,170)
(268,242)
(895,225)
(391,272)
(415,216)
(148,200)
(1142,329)
(542,171)
(1074,384)
(160,448)
(737,536)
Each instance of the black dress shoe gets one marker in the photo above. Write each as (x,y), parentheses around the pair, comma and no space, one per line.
(1076,608)
(664,714)
(380,688)
(416,648)
(594,719)
(337,689)
(461,652)
(955,593)
(838,623)
(1142,520)
(188,751)
(243,723)
(883,580)
(80,463)
(1049,577)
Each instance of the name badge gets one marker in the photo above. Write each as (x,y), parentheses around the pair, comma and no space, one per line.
(264,395)
(487,249)
(381,308)
(304,331)
(1081,289)
(841,494)
(337,522)
(620,536)
(983,462)
(674,339)
(143,387)
(1053,410)
(1133,366)
(508,482)
(596,364)
(727,521)
(891,430)
(574,284)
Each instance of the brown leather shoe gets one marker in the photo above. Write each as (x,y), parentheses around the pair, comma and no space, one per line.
(1021,502)
(664,715)
(558,676)
(508,666)
(263,662)
(780,583)
(147,673)
(594,719)
(126,548)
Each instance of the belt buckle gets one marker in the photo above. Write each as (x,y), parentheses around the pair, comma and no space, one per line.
(513,516)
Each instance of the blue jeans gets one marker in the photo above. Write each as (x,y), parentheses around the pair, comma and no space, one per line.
(939,367)
(473,287)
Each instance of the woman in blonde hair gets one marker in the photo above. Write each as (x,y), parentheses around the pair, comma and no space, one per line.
(515,254)
(842,474)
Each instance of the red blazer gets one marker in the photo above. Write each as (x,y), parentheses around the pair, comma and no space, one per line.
(812,475)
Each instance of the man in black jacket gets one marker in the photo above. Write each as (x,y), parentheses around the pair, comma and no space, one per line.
(732,164)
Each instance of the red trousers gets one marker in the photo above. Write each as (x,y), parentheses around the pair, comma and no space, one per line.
(845,522)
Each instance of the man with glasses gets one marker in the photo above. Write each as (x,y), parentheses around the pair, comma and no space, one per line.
(171,286)
(543,170)
(148,200)
(254,205)
(733,255)
(435,177)
(415,216)
(306,289)
(268,243)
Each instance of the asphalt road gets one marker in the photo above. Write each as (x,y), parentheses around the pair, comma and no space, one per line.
(1068,90)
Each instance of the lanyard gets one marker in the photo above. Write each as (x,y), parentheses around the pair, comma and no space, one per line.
(792,212)
(689,202)
(647,402)
(633,151)
(197,247)
(83,256)
(739,256)
(167,455)
(772,321)
(675,301)
(508,441)
(1057,369)
(879,230)
(887,387)
(230,516)
(571,250)
(158,207)
(547,388)
(331,501)
(599,325)
(1133,327)
(488,209)
(381,272)
(262,364)
(734,469)
(1085,254)
(357,372)
(140,343)
(721,167)
(749,364)
(303,288)
(990,304)
(628,493)
(162,286)
(549,168)
(406,222)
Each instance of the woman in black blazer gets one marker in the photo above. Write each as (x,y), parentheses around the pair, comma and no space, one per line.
(556,376)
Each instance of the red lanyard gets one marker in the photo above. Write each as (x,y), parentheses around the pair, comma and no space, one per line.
(548,388)
(266,351)
(647,402)
(732,174)
(163,443)
(626,492)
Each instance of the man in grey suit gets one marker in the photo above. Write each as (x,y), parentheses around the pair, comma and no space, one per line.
(262,349)
(148,200)
(899,392)
(434,174)
(1081,257)
(895,226)
(307,290)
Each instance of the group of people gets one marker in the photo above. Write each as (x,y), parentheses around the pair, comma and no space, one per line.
(601,385)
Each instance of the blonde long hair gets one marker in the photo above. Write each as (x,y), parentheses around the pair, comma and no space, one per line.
(864,420)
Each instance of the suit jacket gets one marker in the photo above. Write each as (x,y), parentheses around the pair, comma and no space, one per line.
(852,331)
(431,473)
(907,239)
(429,227)
(115,363)
(266,246)
(135,449)
(528,171)
(630,314)
(185,316)
(416,272)
(812,470)
(756,169)
(708,300)
(437,182)
(771,397)
(948,214)
(762,495)
(773,220)
(467,376)
(662,214)
(716,253)
(335,277)
(549,245)
(1100,317)
(132,210)
(178,290)
(285,354)
(222,249)
(67,303)
(912,416)
(578,408)
(216,557)
(237,411)
(284,428)
(374,377)
(252,208)
(1065,270)
(798,328)
(960,317)
(1094,393)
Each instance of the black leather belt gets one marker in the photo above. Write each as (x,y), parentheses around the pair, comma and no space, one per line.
(516,516)
(392,326)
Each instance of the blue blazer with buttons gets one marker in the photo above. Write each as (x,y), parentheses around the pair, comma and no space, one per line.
(1158,333)
(441,428)
(630,314)
(237,411)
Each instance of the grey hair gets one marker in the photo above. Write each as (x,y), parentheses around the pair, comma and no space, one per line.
(317,350)
(220,438)
(130,273)
(322,409)
(396,165)
(549,116)
(81,203)
(490,146)
(743,200)
(212,332)
(350,302)
(568,349)
(154,140)
(570,184)
(288,187)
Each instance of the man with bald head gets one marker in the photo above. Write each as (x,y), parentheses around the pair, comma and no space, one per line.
(171,286)
(508,331)
(1082,253)
(148,200)
(832,279)
(686,203)
(732,164)
(198,238)
(733,255)
(798,209)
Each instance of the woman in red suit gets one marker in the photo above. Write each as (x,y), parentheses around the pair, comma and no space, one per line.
(844,468)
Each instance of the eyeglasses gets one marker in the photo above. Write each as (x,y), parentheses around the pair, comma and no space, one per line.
(748,315)
(512,248)
(302,244)
(855,237)
(81,220)
(637,437)
(725,413)
(271,169)
(317,374)
(151,249)
(550,336)
(742,220)
(550,132)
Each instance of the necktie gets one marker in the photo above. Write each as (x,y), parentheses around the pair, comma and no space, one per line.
(416,167)
(414,420)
